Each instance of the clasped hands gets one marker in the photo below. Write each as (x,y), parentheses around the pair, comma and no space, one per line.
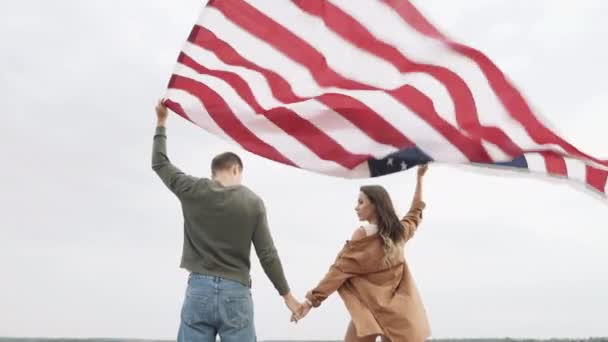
(298,310)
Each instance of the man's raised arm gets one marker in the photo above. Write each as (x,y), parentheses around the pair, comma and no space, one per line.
(178,182)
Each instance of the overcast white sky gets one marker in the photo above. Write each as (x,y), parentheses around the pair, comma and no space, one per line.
(90,239)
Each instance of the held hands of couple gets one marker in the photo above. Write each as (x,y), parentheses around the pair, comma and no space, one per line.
(293,305)
(302,312)
(298,310)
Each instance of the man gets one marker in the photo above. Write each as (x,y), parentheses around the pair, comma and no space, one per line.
(222,218)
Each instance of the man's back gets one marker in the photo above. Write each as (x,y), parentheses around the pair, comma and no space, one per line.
(221,220)
(219,227)
(220,223)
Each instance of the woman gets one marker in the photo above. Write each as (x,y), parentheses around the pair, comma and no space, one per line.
(371,275)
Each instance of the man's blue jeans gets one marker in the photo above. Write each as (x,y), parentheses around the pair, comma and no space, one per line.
(216,306)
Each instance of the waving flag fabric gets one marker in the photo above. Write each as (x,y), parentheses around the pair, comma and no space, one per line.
(358,89)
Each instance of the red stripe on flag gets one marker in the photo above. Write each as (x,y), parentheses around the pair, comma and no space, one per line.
(291,123)
(597,178)
(256,23)
(408,12)
(517,106)
(556,165)
(464,105)
(176,107)
(206,39)
(510,97)
(224,117)
(422,105)
(366,119)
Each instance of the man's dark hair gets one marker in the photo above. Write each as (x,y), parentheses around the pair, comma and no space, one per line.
(225,161)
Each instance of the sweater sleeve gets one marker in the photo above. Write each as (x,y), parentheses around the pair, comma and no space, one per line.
(334,278)
(178,182)
(267,253)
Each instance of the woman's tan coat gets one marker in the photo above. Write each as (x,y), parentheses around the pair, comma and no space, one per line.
(381,299)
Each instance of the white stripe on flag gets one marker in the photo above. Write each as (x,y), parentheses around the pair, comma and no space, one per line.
(332,123)
(576,169)
(360,65)
(300,79)
(340,129)
(264,129)
(495,152)
(387,26)
(260,52)
(361,171)
(412,126)
(254,49)
(536,163)
(197,112)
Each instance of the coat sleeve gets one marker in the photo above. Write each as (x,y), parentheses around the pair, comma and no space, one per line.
(412,219)
(336,276)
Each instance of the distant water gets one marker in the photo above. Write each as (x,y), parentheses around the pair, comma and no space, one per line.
(11,339)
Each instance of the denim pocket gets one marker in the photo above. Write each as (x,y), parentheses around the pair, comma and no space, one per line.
(239,311)
(197,309)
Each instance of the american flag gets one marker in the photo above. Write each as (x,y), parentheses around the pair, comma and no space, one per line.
(359,89)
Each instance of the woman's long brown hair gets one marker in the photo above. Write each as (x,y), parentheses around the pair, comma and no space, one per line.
(389,226)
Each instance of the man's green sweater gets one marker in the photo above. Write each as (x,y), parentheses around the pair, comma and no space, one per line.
(220,223)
